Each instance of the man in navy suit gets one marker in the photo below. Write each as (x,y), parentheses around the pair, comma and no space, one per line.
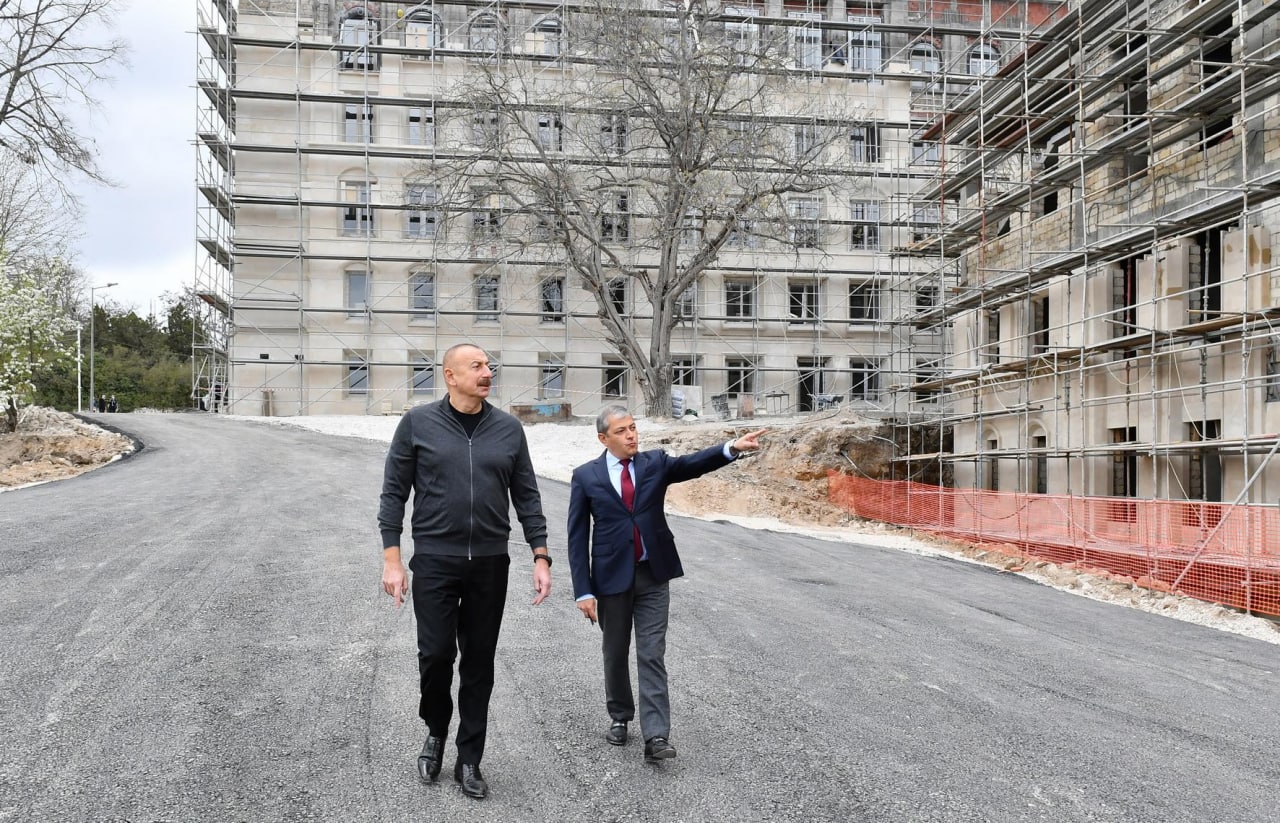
(622,555)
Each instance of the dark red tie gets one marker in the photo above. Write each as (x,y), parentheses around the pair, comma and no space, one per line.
(629,500)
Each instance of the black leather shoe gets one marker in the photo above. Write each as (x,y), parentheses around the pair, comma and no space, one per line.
(617,735)
(472,781)
(657,748)
(429,760)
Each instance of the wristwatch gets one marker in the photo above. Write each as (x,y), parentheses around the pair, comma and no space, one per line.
(545,557)
(734,452)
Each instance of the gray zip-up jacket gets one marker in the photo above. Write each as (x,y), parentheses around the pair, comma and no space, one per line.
(461,485)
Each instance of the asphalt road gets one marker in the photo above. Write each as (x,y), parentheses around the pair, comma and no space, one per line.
(197,633)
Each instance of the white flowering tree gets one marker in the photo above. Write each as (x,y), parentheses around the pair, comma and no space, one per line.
(33,331)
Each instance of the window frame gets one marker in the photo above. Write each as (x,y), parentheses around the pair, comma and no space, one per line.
(487,298)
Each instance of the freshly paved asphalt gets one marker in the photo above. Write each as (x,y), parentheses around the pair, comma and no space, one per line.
(197,633)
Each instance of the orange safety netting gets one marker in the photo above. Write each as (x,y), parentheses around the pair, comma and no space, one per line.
(1227,554)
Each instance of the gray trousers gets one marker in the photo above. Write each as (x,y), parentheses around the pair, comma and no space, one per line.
(645,607)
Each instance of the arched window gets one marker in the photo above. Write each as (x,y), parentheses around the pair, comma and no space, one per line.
(356,31)
(484,35)
(984,60)
(548,37)
(357,209)
(925,58)
(422,30)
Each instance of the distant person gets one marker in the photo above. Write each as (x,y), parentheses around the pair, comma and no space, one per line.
(622,555)
(467,464)
(101,406)
(112,405)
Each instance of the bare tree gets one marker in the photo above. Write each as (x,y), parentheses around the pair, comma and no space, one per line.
(35,215)
(664,140)
(49,63)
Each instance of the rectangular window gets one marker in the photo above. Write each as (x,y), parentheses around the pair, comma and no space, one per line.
(741,139)
(615,133)
(422,295)
(486,214)
(804,213)
(740,299)
(618,295)
(551,384)
(486,128)
(926,297)
(806,42)
(991,468)
(802,301)
(1039,324)
(863,379)
(925,222)
(550,132)
(421,214)
(743,38)
(422,126)
(549,224)
(866,46)
(806,137)
(615,379)
(552,300)
(991,346)
(357,292)
(686,307)
(864,302)
(357,214)
(864,144)
(743,235)
(864,231)
(487,297)
(424,376)
(615,220)
(740,375)
(924,151)
(691,229)
(1273,371)
(358,123)
(1124,474)
(683,371)
(1040,465)
(926,371)
(357,372)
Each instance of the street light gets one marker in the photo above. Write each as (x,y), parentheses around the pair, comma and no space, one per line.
(93,396)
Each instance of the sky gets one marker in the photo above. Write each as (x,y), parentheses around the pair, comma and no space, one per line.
(141,233)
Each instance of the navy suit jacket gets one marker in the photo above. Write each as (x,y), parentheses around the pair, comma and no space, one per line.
(601,543)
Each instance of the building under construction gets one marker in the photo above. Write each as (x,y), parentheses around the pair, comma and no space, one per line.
(1111,203)
(332,281)
(1111,379)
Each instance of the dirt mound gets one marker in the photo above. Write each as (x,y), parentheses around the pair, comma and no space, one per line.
(51,445)
(787,478)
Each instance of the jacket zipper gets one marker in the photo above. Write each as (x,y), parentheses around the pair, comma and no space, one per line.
(471,474)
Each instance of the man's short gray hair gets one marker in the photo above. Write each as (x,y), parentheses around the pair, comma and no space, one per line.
(608,413)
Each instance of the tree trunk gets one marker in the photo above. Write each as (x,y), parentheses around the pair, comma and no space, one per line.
(11,415)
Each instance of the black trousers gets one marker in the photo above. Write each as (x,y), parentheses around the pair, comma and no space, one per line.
(458,604)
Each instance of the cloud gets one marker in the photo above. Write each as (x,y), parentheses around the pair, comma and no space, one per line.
(142,232)
(140,283)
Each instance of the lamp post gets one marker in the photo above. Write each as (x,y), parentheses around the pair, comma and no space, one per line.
(93,395)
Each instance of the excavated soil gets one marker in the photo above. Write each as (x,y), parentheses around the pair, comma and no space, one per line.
(52,445)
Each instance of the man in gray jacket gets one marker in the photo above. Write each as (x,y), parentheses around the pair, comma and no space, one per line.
(463,459)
